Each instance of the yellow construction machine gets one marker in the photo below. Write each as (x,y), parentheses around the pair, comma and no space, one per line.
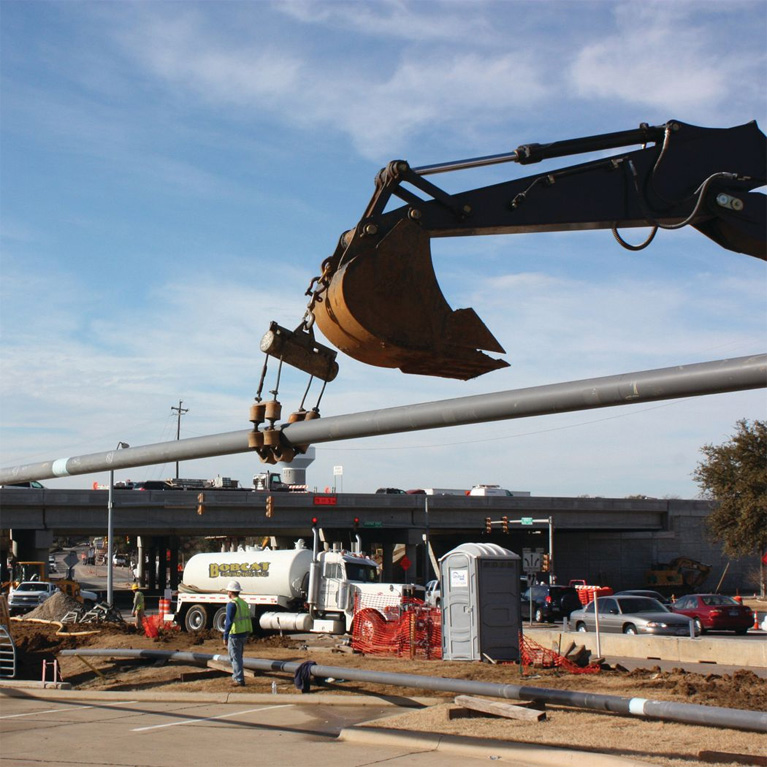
(680,574)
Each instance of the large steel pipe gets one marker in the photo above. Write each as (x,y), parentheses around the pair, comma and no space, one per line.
(716,377)
(686,713)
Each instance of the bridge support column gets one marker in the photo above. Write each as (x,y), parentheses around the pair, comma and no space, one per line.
(409,575)
(140,573)
(31,545)
(175,576)
(387,562)
(162,562)
(151,575)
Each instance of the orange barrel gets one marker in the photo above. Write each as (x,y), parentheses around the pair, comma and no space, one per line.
(164,608)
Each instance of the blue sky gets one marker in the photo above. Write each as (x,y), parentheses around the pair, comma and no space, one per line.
(173,174)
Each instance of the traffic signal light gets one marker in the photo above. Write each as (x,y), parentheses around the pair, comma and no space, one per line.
(488,525)
(546,563)
(200,503)
(269,505)
(315,520)
(505,524)
(356,524)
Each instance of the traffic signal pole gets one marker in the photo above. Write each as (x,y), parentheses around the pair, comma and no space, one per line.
(719,376)
(552,577)
(504,522)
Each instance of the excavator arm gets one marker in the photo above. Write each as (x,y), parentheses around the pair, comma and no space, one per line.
(378,299)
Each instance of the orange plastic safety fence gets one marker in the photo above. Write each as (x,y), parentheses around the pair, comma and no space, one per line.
(410,629)
(587,593)
(151,625)
(154,625)
(534,654)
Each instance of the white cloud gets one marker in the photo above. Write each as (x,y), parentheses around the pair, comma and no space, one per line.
(379,107)
(396,19)
(660,55)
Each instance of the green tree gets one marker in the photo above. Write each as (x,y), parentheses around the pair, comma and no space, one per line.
(734,475)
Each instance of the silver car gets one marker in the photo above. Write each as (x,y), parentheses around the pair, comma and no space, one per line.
(632,615)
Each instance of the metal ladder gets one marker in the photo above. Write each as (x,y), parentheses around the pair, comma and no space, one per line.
(7,654)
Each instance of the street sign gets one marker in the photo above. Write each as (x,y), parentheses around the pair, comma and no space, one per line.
(338,471)
(526,520)
(70,560)
(325,500)
(372,524)
(531,561)
(405,563)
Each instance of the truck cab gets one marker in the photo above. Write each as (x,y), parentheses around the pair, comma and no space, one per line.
(27,595)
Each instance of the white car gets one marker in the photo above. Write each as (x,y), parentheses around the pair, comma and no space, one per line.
(633,615)
(433,596)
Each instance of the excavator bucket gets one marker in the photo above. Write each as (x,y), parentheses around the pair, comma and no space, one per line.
(384,307)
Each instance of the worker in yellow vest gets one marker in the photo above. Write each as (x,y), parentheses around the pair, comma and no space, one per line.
(138,606)
(237,629)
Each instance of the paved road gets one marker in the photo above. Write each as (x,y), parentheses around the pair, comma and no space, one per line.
(160,734)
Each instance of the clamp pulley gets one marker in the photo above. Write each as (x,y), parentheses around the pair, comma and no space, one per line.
(299,349)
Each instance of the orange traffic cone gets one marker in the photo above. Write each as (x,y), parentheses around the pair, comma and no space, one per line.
(756,619)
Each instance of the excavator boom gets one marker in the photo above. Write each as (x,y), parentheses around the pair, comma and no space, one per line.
(378,299)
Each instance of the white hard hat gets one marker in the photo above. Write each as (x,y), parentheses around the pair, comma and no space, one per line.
(234,586)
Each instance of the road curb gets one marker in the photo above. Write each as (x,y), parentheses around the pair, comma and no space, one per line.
(46,691)
(528,754)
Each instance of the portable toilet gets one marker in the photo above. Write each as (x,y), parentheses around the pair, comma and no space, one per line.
(481,617)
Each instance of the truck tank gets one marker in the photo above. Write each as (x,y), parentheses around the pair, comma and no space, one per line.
(282,572)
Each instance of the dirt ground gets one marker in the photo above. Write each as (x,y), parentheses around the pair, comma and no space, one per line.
(655,742)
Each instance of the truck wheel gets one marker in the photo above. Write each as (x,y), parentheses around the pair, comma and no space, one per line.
(581,627)
(196,618)
(219,619)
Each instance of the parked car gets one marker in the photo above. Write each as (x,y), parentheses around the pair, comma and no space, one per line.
(550,603)
(632,615)
(390,491)
(715,612)
(645,593)
(433,595)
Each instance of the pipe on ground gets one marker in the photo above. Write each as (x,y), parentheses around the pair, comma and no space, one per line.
(686,713)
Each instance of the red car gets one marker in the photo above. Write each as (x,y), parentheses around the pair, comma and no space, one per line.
(715,612)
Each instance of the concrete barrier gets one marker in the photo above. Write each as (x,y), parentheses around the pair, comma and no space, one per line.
(715,650)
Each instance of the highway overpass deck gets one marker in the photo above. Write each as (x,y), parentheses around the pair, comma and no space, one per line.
(178,512)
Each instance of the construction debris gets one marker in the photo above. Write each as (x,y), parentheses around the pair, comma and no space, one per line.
(527,710)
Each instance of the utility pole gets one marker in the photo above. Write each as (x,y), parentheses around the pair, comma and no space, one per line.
(180,411)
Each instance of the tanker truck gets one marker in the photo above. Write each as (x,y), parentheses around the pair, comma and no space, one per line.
(288,589)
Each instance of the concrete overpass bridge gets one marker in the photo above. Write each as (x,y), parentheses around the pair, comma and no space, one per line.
(610,540)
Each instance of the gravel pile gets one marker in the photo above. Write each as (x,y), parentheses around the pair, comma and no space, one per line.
(55,607)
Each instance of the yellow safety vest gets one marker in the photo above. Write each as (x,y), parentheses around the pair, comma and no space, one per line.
(241,623)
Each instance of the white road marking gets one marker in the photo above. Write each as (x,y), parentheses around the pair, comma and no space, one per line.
(78,707)
(209,718)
